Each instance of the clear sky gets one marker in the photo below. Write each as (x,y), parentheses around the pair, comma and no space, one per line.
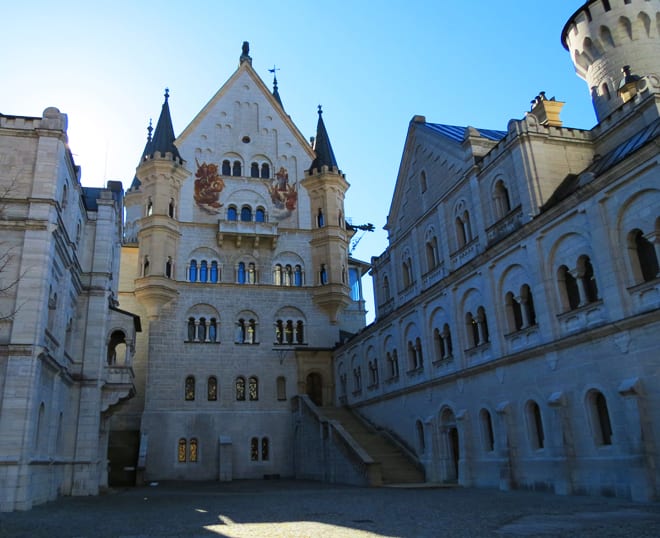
(372,65)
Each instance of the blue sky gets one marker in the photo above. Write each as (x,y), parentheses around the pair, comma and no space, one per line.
(372,65)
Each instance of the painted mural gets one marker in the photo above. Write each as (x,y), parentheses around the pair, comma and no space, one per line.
(208,186)
(283,194)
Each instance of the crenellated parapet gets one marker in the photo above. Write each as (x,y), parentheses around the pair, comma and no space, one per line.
(603,36)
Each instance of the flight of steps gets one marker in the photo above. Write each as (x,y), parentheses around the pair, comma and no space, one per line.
(396,467)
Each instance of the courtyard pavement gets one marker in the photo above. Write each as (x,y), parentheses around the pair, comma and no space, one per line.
(287,508)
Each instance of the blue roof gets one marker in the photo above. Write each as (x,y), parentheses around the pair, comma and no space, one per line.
(457,133)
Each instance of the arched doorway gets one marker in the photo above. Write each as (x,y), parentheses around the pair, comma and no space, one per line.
(314,388)
(449,446)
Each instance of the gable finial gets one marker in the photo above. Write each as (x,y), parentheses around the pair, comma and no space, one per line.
(320,110)
(245,53)
(150,130)
(167,94)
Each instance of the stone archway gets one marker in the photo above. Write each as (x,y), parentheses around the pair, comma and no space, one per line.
(450,450)
(314,388)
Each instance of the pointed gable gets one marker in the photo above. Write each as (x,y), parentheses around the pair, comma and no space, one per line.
(246,75)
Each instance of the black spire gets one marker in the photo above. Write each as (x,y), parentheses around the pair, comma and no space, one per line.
(276,94)
(324,154)
(163,141)
(147,151)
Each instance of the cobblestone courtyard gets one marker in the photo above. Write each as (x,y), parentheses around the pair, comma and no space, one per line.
(308,509)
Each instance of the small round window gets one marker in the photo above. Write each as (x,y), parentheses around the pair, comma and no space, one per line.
(246,139)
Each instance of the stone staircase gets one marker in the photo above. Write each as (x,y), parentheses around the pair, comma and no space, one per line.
(396,467)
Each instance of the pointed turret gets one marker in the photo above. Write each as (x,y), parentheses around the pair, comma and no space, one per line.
(163,141)
(322,147)
(327,186)
(161,173)
(147,151)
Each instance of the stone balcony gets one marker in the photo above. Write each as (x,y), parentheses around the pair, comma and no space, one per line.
(506,225)
(248,233)
(465,253)
(584,317)
(119,385)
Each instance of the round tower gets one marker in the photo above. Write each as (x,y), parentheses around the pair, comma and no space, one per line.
(603,37)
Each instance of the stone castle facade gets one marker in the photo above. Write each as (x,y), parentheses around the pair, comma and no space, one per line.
(517,304)
(65,346)
(518,310)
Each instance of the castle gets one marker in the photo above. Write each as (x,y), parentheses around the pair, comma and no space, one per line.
(517,304)
(516,339)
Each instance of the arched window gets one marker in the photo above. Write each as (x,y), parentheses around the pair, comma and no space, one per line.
(413,361)
(279,331)
(600,418)
(446,334)
(265,171)
(192,271)
(190,388)
(482,320)
(501,199)
(300,334)
(643,257)
(236,169)
(240,389)
(277,275)
(422,181)
(213,330)
(254,449)
(386,288)
(514,313)
(203,271)
(170,208)
(535,425)
(251,273)
(253,389)
(214,272)
(65,196)
(460,232)
(265,449)
(145,266)
(254,170)
(323,274)
(288,275)
(260,215)
(288,332)
(298,276)
(527,306)
(212,389)
(232,213)
(201,330)
(182,450)
(40,434)
(240,273)
(191,329)
(472,330)
(568,289)
(169,267)
(320,221)
(281,388)
(246,213)
(226,168)
(150,207)
(116,353)
(192,450)
(487,436)
(432,257)
(419,427)
(586,273)
(406,273)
